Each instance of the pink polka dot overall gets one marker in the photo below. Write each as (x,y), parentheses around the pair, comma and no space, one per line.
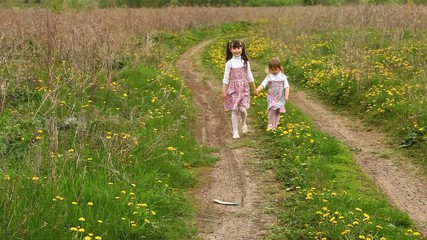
(238,90)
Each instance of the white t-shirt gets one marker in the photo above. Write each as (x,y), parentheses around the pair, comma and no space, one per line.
(236,62)
(278,77)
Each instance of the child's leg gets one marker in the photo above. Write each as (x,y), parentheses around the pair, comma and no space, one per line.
(244,117)
(276,118)
(243,114)
(270,118)
(235,122)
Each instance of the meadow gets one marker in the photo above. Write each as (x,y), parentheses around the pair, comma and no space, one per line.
(94,118)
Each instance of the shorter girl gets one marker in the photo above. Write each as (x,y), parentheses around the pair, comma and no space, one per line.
(278,92)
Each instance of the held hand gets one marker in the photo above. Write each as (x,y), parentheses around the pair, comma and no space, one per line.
(256,93)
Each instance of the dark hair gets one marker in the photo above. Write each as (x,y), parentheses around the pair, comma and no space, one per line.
(274,63)
(236,44)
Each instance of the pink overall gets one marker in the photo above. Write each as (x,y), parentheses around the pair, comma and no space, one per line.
(238,90)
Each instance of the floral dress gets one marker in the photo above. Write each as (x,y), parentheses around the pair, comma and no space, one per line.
(238,90)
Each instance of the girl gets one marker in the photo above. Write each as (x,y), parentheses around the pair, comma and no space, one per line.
(235,88)
(278,92)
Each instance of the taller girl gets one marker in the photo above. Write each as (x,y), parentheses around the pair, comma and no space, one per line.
(235,89)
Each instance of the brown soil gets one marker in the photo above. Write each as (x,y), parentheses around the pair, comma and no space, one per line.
(234,177)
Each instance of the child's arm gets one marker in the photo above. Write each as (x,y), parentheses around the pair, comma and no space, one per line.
(262,85)
(254,88)
(286,93)
(224,91)
(259,89)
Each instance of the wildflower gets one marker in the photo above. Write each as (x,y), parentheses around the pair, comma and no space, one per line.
(35,178)
(82,219)
(73,229)
(171,148)
(90,203)
(6,177)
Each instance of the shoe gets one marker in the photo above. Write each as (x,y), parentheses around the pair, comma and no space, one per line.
(244,128)
(236,135)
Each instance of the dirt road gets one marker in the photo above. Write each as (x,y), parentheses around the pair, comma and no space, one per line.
(233,178)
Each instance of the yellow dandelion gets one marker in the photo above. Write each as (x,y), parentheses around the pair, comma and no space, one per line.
(90,203)
(171,149)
